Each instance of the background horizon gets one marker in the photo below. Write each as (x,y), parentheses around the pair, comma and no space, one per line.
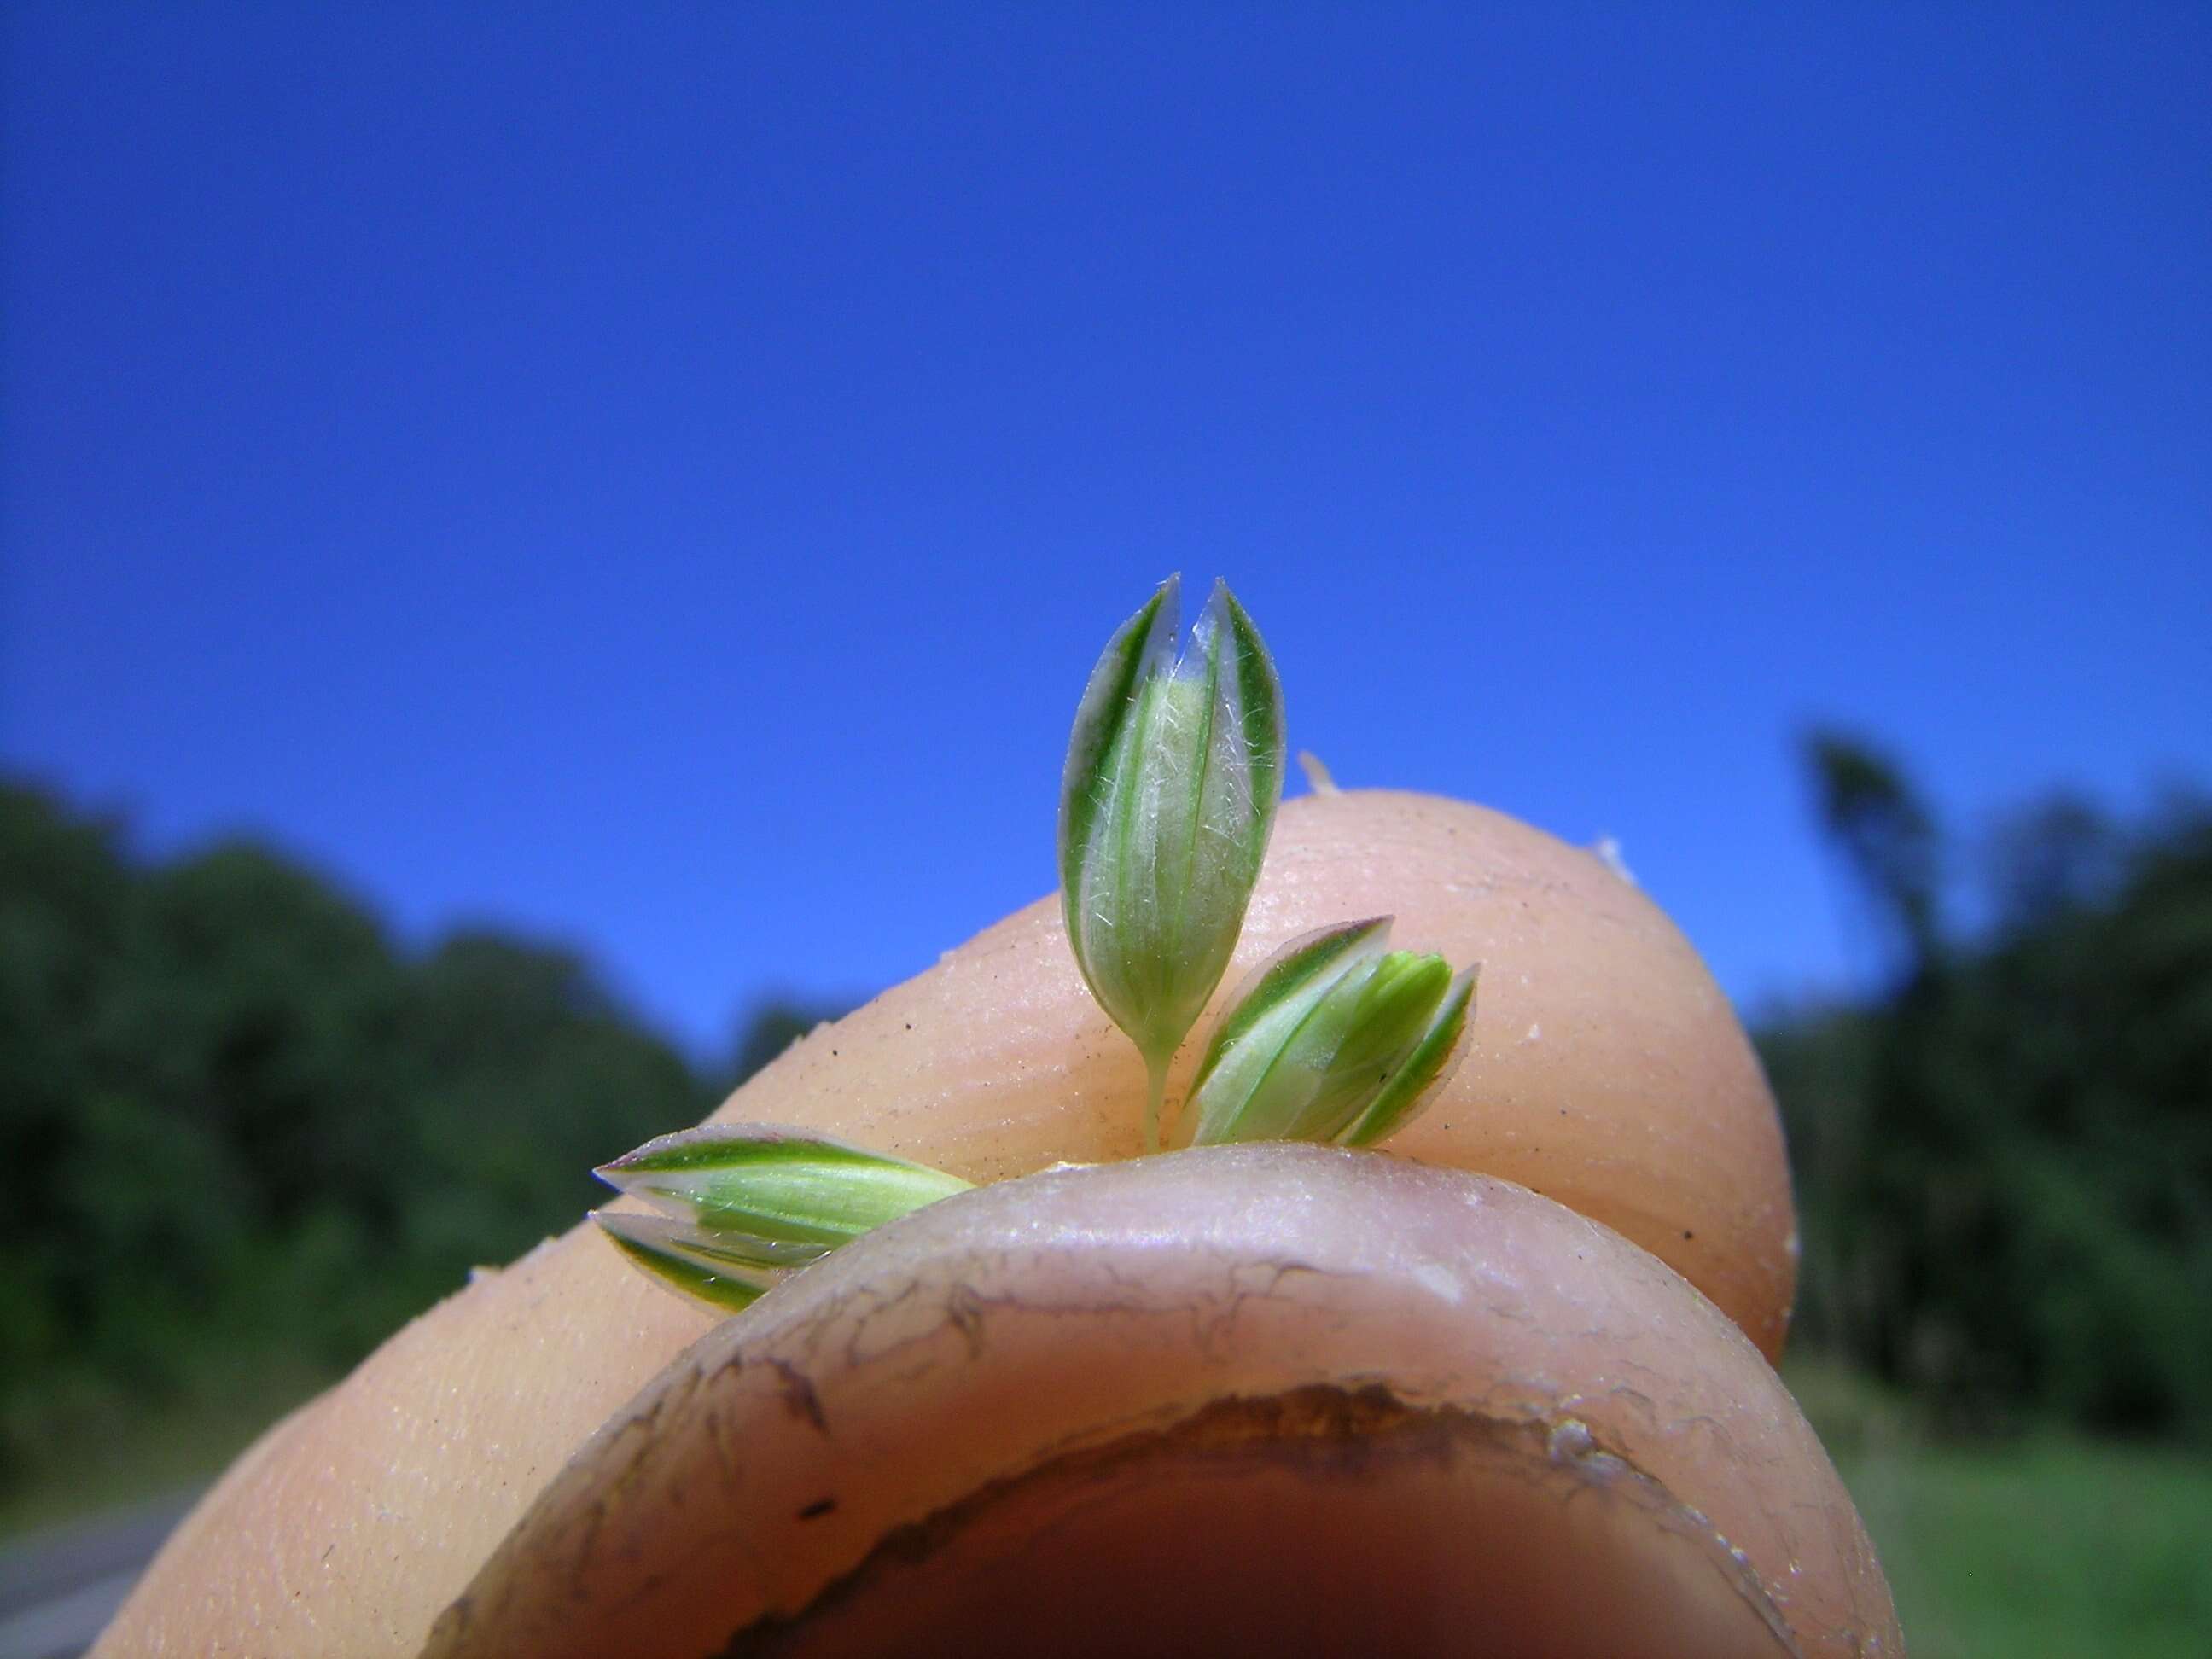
(661,485)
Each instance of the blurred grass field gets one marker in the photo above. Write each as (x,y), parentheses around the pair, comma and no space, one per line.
(2043,1548)
(101,1451)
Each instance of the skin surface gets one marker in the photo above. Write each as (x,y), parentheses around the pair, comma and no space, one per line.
(1504,1417)
(1606,1071)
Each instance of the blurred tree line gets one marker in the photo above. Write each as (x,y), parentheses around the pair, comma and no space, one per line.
(239,1121)
(2005,1159)
(242,1123)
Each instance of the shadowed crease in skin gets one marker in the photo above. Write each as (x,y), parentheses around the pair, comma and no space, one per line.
(1325,1433)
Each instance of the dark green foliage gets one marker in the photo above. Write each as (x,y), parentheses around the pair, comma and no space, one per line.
(238,1120)
(1884,833)
(241,1123)
(2005,1165)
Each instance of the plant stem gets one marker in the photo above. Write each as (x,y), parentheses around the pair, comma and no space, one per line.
(1156,1079)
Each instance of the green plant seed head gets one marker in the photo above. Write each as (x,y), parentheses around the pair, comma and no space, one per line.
(773,1197)
(685,1260)
(1335,1039)
(1417,1076)
(1174,772)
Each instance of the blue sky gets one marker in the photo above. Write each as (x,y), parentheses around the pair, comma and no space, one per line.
(660,477)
